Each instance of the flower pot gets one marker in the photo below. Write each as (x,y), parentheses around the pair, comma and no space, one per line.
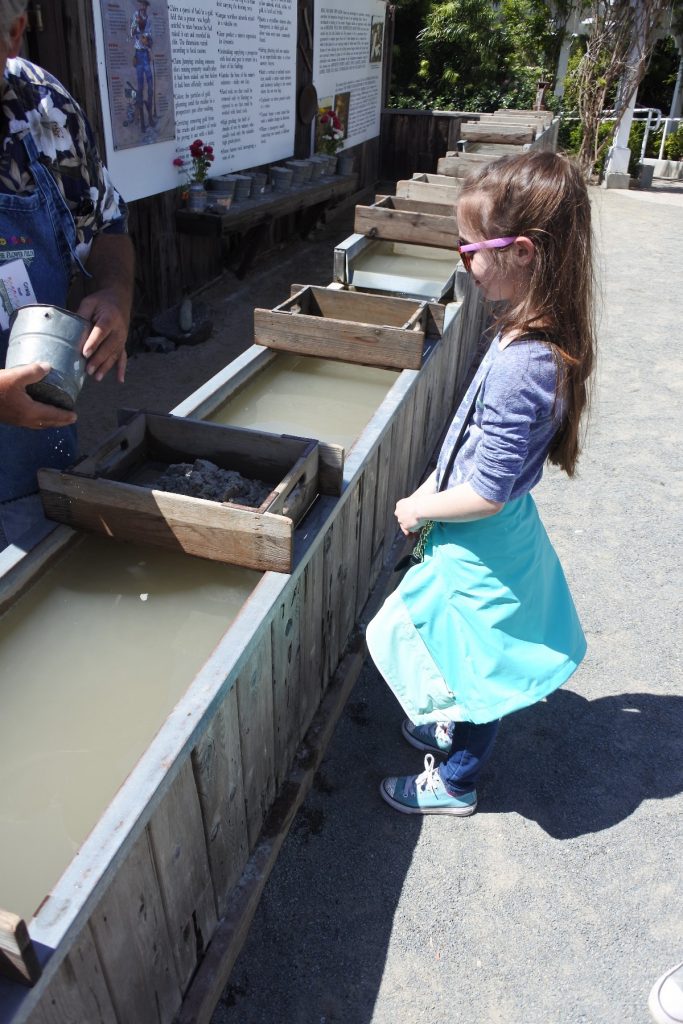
(345,164)
(319,165)
(197,198)
(281,178)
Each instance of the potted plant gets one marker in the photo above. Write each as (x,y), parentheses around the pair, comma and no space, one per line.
(330,135)
(201,158)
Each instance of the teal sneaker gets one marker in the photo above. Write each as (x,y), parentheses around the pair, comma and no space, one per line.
(426,794)
(435,738)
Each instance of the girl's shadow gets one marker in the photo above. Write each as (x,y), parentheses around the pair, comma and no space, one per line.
(577,766)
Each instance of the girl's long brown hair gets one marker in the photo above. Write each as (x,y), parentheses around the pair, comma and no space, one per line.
(543,196)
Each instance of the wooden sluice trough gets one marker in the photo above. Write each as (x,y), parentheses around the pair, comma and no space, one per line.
(374,330)
(436,188)
(416,221)
(121,913)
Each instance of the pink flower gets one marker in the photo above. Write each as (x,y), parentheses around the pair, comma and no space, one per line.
(208,150)
(178,162)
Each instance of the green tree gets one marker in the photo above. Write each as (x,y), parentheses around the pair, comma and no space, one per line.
(478,56)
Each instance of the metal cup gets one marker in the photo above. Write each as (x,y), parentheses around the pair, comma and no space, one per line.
(48,334)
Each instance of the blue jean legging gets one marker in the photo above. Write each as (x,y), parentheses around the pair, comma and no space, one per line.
(470,750)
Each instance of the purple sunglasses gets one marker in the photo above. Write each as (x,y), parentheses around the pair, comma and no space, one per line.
(490,243)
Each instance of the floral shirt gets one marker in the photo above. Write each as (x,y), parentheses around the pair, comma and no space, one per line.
(32,99)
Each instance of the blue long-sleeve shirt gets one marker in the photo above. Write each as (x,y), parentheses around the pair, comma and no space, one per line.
(515,418)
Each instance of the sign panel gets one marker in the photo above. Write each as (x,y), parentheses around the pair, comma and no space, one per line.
(223,71)
(347,64)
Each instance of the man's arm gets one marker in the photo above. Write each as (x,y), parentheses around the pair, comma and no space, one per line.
(111,263)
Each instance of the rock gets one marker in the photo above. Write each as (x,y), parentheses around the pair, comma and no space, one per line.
(203,479)
(185,315)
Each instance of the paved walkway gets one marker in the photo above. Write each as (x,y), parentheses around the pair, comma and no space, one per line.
(559,902)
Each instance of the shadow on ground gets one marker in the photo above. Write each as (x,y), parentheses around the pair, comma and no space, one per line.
(576,766)
(318,947)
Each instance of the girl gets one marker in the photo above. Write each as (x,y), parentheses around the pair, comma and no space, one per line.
(485,624)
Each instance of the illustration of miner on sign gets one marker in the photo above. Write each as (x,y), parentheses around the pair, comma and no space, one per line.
(143,61)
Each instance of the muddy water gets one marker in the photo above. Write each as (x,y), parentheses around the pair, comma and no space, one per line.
(92,659)
(310,397)
(95,655)
(429,270)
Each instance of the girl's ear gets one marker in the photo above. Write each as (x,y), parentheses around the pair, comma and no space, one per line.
(524,250)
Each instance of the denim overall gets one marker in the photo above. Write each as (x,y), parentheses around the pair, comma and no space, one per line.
(45,221)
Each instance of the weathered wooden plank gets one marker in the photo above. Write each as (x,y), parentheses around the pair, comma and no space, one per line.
(180,856)
(333,553)
(434,369)
(348,579)
(313,668)
(349,326)
(382,510)
(416,435)
(468,156)
(131,936)
(349,342)
(78,992)
(436,179)
(492,150)
(403,471)
(437,411)
(286,642)
(422,190)
(413,227)
(18,960)
(436,208)
(217,766)
(493,133)
(462,165)
(368,492)
(510,122)
(544,117)
(364,308)
(255,707)
(223,533)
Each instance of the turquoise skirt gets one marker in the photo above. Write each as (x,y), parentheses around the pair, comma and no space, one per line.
(484,626)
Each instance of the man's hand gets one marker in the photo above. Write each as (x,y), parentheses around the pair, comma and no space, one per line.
(19,409)
(106,343)
(111,264)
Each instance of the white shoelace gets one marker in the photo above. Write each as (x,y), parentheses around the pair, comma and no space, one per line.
(428,778)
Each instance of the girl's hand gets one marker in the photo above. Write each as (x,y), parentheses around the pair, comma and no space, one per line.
(406,512)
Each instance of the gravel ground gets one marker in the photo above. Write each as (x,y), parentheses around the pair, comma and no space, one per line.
(559,902)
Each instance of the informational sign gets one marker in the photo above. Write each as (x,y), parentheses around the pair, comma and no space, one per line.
(232,84)
(348,53)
